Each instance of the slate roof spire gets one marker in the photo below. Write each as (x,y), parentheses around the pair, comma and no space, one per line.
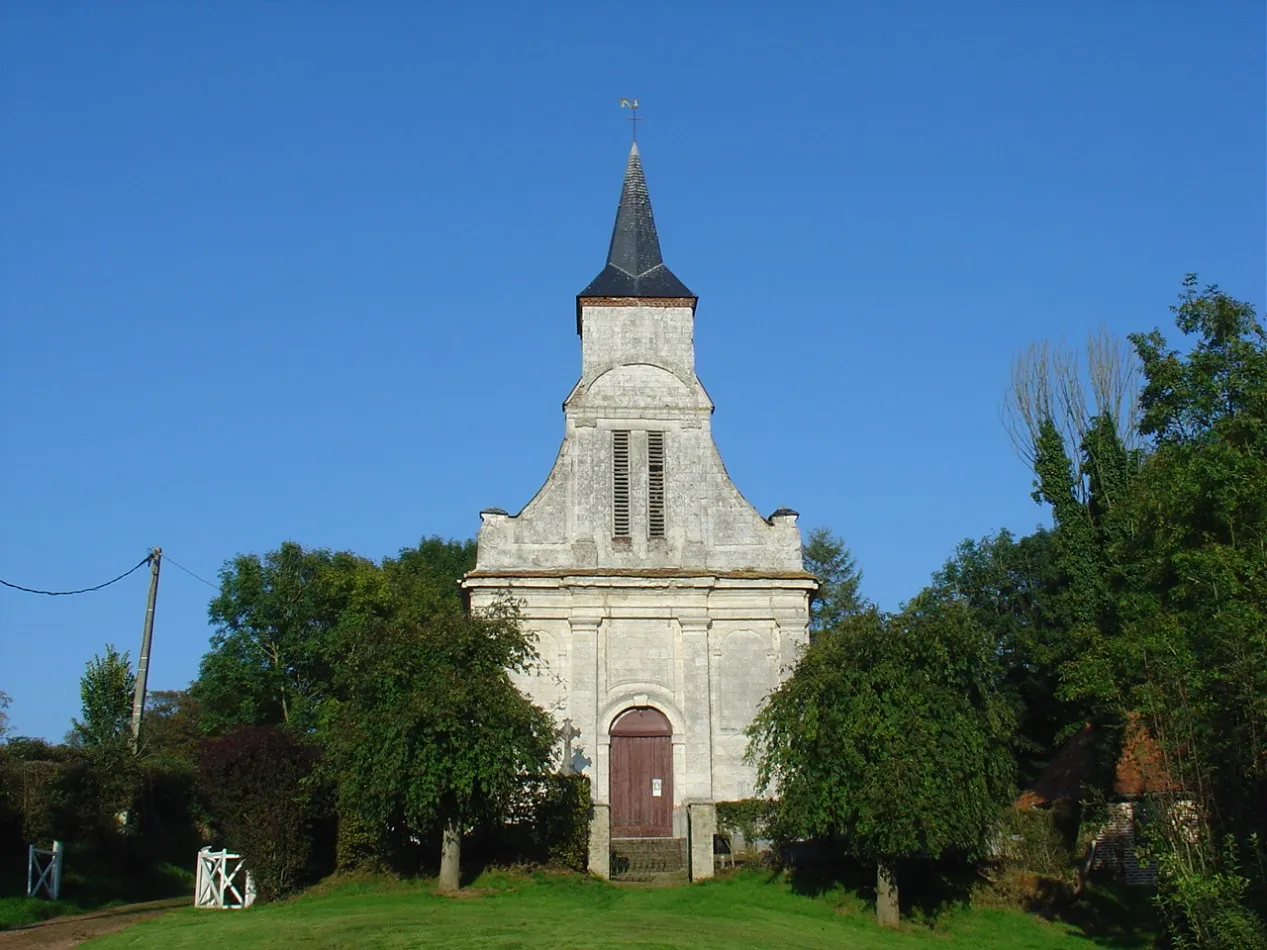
(634,265)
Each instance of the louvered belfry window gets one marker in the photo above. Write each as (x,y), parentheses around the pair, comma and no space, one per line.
(620,483)
(655,484)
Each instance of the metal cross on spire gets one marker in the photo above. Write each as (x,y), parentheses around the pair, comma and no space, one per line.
(632,106)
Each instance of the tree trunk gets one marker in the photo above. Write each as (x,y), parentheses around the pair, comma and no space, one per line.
(451,858)
(886,911)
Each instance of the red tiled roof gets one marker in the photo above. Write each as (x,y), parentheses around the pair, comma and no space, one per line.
(1140,768)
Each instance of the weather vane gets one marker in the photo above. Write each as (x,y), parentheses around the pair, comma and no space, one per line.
(632,106)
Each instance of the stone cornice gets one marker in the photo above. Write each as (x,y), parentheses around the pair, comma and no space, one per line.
(637,302)
(639,577)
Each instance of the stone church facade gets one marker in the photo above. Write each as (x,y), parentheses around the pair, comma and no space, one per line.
(664,605)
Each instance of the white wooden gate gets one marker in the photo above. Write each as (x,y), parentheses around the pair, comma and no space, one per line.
(222,881)
(44,871)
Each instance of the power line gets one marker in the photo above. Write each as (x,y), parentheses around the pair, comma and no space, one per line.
(168,559)
(85,590)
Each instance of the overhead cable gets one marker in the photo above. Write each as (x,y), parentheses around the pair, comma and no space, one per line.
(168,559)
(85,590)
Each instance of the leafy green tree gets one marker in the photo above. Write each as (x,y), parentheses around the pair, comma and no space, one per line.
(429,733)
(277,620)
(1087,495)
(379,664)
(1160,587)
(1009,585)
(105,690)
(172,728)
(268,662)
(840,581)
(891,736)
(1191,549)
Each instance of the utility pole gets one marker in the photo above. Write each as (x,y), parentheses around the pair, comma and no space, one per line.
(143,662)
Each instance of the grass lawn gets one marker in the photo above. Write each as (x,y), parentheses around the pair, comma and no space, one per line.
(90,889)
(20,911)
(748,910)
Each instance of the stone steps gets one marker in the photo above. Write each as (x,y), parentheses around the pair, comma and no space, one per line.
(648,859)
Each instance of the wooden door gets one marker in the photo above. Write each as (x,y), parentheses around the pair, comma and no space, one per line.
(642,775)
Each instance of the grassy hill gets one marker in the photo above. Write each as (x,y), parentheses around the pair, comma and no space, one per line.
(747,910)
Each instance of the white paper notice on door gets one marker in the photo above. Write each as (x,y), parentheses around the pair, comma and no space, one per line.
(657,788)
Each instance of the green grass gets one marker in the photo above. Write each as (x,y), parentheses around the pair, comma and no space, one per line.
(501,910)
(88,887)
(20,911)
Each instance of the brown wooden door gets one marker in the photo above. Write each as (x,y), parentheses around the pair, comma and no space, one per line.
(642,775)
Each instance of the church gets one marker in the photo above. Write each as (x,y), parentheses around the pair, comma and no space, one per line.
(665,606)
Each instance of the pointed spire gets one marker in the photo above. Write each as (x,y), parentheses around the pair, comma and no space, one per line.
(634,265)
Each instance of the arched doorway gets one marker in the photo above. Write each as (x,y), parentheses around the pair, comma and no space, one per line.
(642,775)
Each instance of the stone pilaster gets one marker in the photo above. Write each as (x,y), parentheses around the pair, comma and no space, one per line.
(583,698)
(697,708)
(701,825)
(600,859)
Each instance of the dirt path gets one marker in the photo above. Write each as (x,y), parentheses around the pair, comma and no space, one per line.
(62,933)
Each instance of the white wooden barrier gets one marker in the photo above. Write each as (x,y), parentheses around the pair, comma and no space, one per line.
(222,881)
(44,871)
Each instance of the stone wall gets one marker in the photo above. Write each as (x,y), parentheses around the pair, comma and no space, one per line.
(638,376)
(1115,847)
(700,623)
(705,650)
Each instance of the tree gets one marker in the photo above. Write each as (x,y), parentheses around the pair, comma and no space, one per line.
(277,619)
(1160,586)
(172,727)
(892,737)
(429,733)
(4,714)
(268,658)
(840,581)
(1010,587)
(1189,546)
(1061,386)
(106,690)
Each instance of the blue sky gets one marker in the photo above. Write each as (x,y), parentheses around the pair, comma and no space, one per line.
(307,270)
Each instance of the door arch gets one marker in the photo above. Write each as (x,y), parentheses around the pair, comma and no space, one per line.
(642,774)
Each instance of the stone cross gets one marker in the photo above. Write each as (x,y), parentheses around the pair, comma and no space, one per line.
(567,734)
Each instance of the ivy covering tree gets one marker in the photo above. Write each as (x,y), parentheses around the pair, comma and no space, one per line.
(892,739)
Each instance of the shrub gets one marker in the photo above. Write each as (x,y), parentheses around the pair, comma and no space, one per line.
(563,820)
(749,817)
(1205,904)
(259,782)
(1031,839)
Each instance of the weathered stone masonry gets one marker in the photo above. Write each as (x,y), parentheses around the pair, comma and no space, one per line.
(650,582)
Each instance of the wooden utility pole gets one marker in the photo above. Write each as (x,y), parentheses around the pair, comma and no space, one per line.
(143,662)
